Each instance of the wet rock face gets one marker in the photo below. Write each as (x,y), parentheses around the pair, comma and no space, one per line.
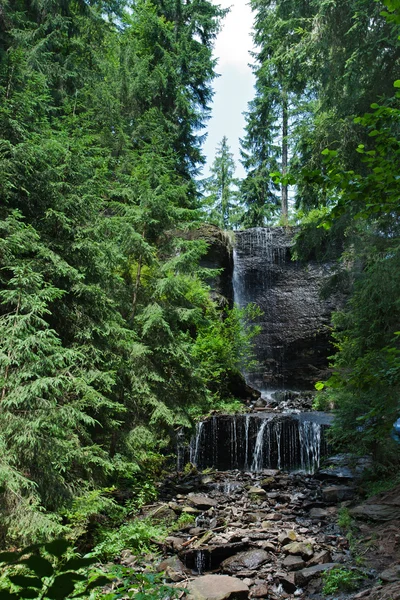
(294,342)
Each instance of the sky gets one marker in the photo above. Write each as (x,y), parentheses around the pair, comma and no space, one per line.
(234,88)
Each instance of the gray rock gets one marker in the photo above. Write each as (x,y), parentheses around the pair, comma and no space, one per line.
(288,582)
(202,502)
(174,569)
(259,591)
(293,563)
(257,491)
(321,558)
(391,574)
(319,513)
(248,560)
(303,549)
(287,537)
(302,577)
(376,512)
(217,587)
(337,493)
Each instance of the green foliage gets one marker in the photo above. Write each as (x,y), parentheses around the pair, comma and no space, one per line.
(184,520)
(344,519)
(221,200)
(145,586)
(137,535)
(341,580)
(47,571)
(101,294)
(223,347)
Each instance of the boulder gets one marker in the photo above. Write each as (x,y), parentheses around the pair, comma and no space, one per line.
(287,581)
(376,512)
(293,563)
(202,502)
(287,537)
(303,549)
(257,491)
(251,559)
(302,577)
(217,587)
(259,591)
(174,569)
(391,574)
(319,513)
(320,558)
(337,493)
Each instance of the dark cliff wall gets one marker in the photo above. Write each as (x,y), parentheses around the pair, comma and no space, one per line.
(294,343)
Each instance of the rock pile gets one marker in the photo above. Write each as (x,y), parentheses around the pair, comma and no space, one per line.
(265,535)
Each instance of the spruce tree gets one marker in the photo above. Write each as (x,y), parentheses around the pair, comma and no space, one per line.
(220,189)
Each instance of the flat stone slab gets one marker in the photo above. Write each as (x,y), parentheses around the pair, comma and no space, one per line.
(293,563)
(376,512)
(251,559)
(200,501)
(217,587)
(303,577)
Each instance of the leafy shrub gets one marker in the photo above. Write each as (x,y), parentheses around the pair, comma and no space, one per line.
(47,571)
(341,580)
(138,536)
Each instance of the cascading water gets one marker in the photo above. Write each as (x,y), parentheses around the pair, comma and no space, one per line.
(291,350)
(255,442)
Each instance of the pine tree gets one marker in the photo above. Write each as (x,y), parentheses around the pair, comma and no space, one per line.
(221,197)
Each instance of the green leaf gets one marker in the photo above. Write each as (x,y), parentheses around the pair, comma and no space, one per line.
(325,152)
(397,83)
(26,582)
(57,547)
(38,564)
(319,386)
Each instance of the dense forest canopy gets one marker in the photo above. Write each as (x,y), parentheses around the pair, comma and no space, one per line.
(109,338)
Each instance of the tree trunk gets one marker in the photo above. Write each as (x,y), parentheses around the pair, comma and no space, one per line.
(285,153)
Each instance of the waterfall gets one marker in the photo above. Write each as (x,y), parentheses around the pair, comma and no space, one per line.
(195,443)
(259,449)
(283,441)
(246,441)
(290,349)
(310,444)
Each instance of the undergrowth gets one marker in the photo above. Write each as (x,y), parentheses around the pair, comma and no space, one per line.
(138,535)
(341,580)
